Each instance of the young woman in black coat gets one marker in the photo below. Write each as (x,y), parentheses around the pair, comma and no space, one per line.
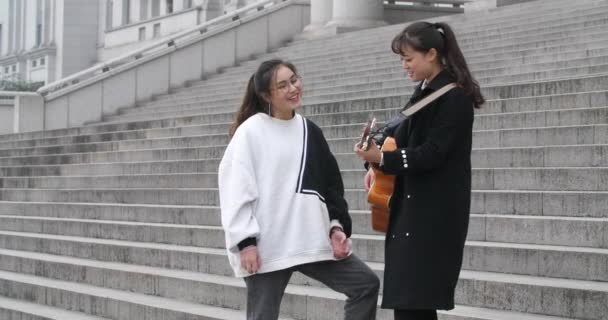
(429,209)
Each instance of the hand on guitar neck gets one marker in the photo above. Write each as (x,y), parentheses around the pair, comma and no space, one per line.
(378,185)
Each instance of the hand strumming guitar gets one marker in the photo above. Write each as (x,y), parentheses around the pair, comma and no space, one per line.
(371,155)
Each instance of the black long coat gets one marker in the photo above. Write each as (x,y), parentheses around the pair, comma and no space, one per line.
(430,205)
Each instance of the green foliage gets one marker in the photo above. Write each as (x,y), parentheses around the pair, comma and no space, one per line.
(7,85)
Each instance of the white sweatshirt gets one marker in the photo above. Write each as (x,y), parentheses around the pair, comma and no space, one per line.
(273,189)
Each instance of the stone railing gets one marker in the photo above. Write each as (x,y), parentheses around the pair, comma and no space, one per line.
(428,3)
(398,11)
(20,112)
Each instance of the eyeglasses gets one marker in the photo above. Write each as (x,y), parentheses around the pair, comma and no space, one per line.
(283,86)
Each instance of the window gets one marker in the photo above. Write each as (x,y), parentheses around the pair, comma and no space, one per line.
(156,30)
(42,62)
(142,33)
(38,35)
(0,40)
(143,10)
(169,6)
(155,8)
(187,4)
(109,14)
(34,63)
(38,23)
(14,68)
(126,12)
(6,70)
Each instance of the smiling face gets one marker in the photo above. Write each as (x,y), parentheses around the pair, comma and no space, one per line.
(419,65)
(285,91)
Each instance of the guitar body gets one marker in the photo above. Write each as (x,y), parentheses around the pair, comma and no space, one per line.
(381,191)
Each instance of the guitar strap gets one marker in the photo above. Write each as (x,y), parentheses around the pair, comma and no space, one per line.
(428,99)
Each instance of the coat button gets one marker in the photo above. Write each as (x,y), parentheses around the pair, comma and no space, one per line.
(407,234)
(393,236)
(409,196)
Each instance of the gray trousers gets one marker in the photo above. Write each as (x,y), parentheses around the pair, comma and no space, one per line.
(350,276)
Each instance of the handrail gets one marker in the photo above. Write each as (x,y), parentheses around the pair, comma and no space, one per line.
(153,48)
(455,3)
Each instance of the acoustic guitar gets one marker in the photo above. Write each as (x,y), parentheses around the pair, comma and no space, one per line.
(379,195)
(381,190)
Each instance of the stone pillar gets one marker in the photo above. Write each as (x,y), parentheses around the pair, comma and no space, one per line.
(349,15)
(320,14)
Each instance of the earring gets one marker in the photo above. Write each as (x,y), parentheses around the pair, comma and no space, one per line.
(269,108)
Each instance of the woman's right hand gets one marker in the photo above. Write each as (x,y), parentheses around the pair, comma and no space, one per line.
(369,179)
(250,259)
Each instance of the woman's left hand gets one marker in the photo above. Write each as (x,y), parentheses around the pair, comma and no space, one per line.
(340,244)
(372,155)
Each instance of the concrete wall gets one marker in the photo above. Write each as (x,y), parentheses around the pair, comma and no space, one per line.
(172,67)
(6,118)
(21,112)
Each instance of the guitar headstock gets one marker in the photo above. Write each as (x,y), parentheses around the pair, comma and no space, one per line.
(366,136)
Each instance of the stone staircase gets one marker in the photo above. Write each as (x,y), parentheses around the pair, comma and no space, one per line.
(120,219)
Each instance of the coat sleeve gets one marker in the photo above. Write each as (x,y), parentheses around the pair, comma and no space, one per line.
(238,193)
(334,195)
(453,119)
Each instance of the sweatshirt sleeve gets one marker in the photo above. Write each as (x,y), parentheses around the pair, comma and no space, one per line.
(451,123)
(334,196)
(238,193)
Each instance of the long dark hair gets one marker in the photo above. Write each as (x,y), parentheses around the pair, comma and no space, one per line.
(258,91)
(423,36)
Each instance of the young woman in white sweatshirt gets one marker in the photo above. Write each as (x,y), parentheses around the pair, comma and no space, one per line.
(282,201)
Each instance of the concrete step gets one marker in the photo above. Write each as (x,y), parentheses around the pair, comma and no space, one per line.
(172,196)
(544,157)
(510,73)
(594,82)
(173,214)
(179,126)
(13,309)
(335,124)
(225,95)
(526,202)
(197,153)
(469,32)
(115,168)
(592,179)
(123,145)
(476,58)
(173,279)
(519,104)
(484,34)
(503,138)
(115,304)
(474,287)
(525,230)
(501,120)
(475,52)
(506,138)
(472,25)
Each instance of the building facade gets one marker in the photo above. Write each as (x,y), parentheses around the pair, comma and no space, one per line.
(46,40)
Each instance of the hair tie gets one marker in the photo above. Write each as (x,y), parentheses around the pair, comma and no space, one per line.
(439,28)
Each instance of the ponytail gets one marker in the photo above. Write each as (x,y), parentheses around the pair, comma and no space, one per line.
(423,36)
(251,105)
(257,89)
